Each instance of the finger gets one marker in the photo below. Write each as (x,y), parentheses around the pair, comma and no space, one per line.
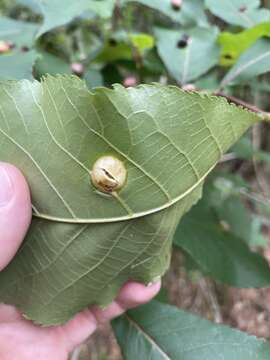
(85,323)
(9,313)
(131,295)
(134,294)
(109,313)
(15,211)
(78,329)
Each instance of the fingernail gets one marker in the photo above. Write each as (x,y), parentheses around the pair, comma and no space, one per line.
(6,187)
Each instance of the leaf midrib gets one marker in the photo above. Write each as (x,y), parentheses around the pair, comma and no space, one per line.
(149,338)
(77,220)
(244,67)
(126,217)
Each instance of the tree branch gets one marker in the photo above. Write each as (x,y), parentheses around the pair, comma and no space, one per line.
(246,105)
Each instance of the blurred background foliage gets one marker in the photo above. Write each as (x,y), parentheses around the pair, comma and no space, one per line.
(220,47)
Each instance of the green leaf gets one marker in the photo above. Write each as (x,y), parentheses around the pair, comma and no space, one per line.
(191,12)
(93,78)
(162,296)
(261,85)
(102,8)
(83,245)
(233,214)
(152,63)
(34,5)
(112,52)
(209,81)
(50,64)
(245,13)
(182,63)
(219,252)
(70,10)
(17,65)
(253,62)
(243,149)
(162,332)
(233,45)
(257,238)
(142,41)
(18,32)
(121,46)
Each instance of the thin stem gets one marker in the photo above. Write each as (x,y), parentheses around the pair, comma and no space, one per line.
(267,117)
(210,296)
(227,157)
(76,353)
(246,105)
(257,142)
(254,196)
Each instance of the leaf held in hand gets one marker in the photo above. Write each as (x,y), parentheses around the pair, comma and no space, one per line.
(84,244)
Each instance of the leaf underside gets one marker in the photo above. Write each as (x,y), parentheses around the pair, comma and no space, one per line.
(83,245)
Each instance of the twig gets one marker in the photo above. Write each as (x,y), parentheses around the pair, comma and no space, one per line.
(118,18)
(228,157)
(254,196)
(76,353)
(246,105)
(261,181)
(80,44)
(210,296)
(256,142)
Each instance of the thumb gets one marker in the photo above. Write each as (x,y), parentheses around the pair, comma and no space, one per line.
(15,211)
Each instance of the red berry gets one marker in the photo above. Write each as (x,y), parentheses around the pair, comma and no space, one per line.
(176,4)
(130,81)
(189,87)
(77,68)
(4,47)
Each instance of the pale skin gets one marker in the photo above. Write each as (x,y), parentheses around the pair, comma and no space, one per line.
(20,337)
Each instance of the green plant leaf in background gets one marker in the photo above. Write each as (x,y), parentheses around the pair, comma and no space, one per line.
(182,62)
(190,13)
(225,194)
(18,62)
(253,62)
(243,149)
(103,9)
(238,221)
(209,81)
(122,45)
(19,33)
(17,65)
(162,332)
(70,10)
(93,78)
(83,245)
(233,45)
(114,51)
(50,64)
(221,252)
(245,13)
(34,5)
(142,41)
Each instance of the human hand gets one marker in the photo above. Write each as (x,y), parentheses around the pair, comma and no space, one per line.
(20,338)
